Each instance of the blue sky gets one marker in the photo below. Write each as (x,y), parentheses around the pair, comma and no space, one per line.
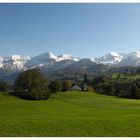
(84,30)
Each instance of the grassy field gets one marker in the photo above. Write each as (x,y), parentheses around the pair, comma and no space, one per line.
(128,76)
(70,114)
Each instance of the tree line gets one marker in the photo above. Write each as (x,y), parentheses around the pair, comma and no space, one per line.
(33,85)
(121,86)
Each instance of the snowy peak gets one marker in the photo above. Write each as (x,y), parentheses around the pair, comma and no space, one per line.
(42,59)
(110,58)
(135,54)
(93,60)
(48,58)
(1,62)
(114,54)
(116,57)
(50,55)
(131,59)
(67,57)
(15,62)
(19,62)
(45,56)
(19,58)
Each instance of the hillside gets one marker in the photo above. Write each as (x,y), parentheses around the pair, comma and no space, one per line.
(67,66)
(70,114)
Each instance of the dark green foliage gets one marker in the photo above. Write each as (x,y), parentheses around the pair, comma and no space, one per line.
(98,80)
(135,89)
(4,86)
(85,78)
(124,93)
(30,79)
(122,85)
(109,89)
(138,71)
(40,94)
(105,88)
(55,86)
(67,85)
(118,76)
(31,84)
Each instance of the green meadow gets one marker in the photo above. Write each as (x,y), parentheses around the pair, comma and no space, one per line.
(70,114)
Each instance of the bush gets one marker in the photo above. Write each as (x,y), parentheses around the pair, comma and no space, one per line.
(55,86)
(39,94)
(105,88)
(67,85)
(124,93)
(135,91)
(4,86)
(32,85)
(90,89)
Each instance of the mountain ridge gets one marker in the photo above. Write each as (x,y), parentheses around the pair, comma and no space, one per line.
(20,62)
(67,66)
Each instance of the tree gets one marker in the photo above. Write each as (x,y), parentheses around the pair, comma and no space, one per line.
(4,86)
(90,89)
(31,84)
(119,77)
(138,70)
(98,80)
(85,78)
(66,85)
(55,86)
(106,88)
(134,90)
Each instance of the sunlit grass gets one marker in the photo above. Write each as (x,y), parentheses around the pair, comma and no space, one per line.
(70,114)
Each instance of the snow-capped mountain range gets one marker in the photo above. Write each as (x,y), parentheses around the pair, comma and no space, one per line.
(110,58)
(14,62)
(18,62)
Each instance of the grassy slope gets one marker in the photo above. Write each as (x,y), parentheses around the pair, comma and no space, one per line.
(128,76)
(70,114)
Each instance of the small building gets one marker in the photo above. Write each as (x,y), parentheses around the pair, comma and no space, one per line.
(76,88)
(85,87)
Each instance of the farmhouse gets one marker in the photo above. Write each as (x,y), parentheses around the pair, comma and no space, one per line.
(76,88)
(83,86)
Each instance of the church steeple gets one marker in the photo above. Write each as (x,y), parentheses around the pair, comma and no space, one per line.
(85,78)
(85,83)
